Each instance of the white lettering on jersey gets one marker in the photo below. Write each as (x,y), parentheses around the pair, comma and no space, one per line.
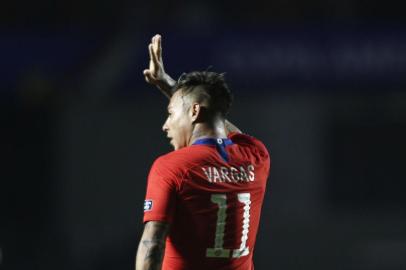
(229,174)
(207,172)
(234,174)
(244,175)
(251,172)
(224,174)
(216,175)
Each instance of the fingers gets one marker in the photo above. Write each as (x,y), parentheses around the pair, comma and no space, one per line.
(152,54)
(156,46)
(155,64)
(159,47)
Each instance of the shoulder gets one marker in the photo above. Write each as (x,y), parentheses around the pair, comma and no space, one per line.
(166,170)
(248,141)
(177,156)
(177,162)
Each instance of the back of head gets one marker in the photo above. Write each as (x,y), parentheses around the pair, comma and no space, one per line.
(208,88)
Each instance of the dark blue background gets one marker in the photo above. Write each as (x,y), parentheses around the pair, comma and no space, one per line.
(321,83)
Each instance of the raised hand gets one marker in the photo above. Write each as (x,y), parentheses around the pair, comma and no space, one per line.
(156,74)
(156,67)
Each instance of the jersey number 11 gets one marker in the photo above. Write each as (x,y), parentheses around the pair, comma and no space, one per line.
(218,251)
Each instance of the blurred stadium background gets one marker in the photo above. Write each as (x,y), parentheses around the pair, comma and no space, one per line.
(322,83)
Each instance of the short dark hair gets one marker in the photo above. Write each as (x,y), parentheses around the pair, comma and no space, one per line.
(214,87)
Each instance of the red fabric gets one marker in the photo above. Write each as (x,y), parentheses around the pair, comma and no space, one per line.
(181,185)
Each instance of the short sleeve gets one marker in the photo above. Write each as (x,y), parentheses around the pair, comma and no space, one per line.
(160,198)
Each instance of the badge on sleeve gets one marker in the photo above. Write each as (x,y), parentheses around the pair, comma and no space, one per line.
(147,205)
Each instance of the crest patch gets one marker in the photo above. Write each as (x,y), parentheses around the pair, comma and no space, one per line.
(147,205)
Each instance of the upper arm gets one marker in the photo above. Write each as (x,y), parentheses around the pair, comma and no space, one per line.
(161,192)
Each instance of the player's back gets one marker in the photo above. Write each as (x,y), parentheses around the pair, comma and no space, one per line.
(219,191)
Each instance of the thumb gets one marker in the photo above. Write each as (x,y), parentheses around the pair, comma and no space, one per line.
(149,73)
(149,77)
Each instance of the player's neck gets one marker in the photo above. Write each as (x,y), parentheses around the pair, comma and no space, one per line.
(216,129)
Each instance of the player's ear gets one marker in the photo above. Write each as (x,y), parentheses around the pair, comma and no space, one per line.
(195,112)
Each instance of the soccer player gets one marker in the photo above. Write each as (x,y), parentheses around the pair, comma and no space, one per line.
(203,200)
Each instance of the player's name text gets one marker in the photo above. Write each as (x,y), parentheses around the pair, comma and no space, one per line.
(230,174)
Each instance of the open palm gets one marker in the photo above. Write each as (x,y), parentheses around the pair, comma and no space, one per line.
(155,74)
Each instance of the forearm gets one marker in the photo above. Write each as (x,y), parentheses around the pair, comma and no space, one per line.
(166,85)
(152,246)
(150,254)
(231,127)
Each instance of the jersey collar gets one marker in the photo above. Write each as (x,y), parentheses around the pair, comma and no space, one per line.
(213,141)
(219,143)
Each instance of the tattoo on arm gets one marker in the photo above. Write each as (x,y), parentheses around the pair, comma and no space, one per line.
(154,252)
(152,246)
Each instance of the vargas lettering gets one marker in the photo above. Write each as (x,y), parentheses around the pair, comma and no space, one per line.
(230,174)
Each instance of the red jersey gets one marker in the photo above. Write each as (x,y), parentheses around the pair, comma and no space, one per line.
(211,193)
